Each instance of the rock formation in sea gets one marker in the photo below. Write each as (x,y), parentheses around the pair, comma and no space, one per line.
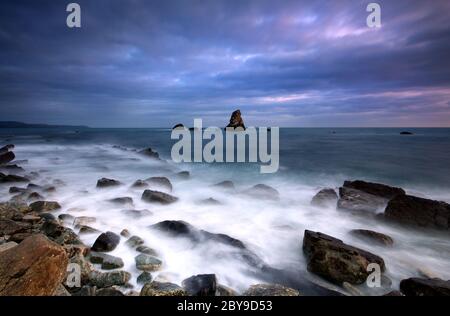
(236,120)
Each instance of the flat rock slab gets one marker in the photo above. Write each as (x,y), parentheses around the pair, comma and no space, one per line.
(425,287)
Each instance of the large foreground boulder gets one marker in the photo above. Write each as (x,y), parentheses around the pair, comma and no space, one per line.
(336,261)
(425,287)
(411,210)
(36,267)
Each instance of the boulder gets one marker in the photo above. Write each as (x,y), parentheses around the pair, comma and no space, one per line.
(372,236)
(137,213)
(411,210)
(125,233)
(144,277)
(140,184)
(146,250)
(83,220)
(110,291)
(359,201)
(13,210)
(10,227)
(158,197)
(147,263)
(108,279)
(106,183)
(229,185)
(60,234)
(85,230)
(35,196)
(134,241)
(149,153)
(200,285)
(107,262)
(11,178)
(425,287)
(7,157)
(162,289)
(160,182)
(44,206)
(270,290)
(36,267)
(376,189)
(183,175)
(263,191)
(6,148)
(336,261)
(325,197)
(122,200)
(236,120)
(14,190)
(106,242)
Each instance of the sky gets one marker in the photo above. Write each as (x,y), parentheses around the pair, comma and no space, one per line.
(155,63)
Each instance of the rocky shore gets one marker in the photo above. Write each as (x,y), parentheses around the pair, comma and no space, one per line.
(42,254)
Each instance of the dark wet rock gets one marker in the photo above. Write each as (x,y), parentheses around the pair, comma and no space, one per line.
(66,218)
(411,210)
(60,234)
(134,241)
(200,285)
(406,133)
(47,216)
(162,289)
(137,213)
(236,120)
(359,201)
(10,227)
(35,196)
(229,185)
(377,189)
(149,153)
(158,197)
(336,261)
(144,277)
(178,126)
(105,183)
(110,291)
(108,279)
(270,290)
(140,184)
(147,250)
(183,175)
(106,242)
(13,190)
(325,197)
(6,148)
(84,230)
(11,178)
(83,220)
(36,267)
(210,201)
(12,168)
(425,287)
(122,200)
(13,210)
(160,182)
(263,191)
(372,236)
(7,157)
(125,233)
(44,206)
(111,262)
(147,263)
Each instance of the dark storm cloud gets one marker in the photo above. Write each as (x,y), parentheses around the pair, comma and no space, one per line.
(289,63)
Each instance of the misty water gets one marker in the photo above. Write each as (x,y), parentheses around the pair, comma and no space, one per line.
(310,159)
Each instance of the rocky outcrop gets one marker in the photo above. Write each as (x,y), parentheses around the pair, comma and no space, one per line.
(36,267)
(158,197)
(236,120)
(358,201)
(411,210)
(108,279)
(106,242)
(200,285)
(106,183)
(372,237)
(425,287)
(122,200)
(7,157)
(44,206)
(148,152)
(270,290)
(11,178)
(6,148)
(377,189)
(336,261)
(160,182)
(147,263)
(162,289)
(263,191)
(324,198)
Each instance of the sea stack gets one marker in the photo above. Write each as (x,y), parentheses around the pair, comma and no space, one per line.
(236,120)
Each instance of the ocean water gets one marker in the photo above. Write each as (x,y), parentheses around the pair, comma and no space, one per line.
(310,159)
